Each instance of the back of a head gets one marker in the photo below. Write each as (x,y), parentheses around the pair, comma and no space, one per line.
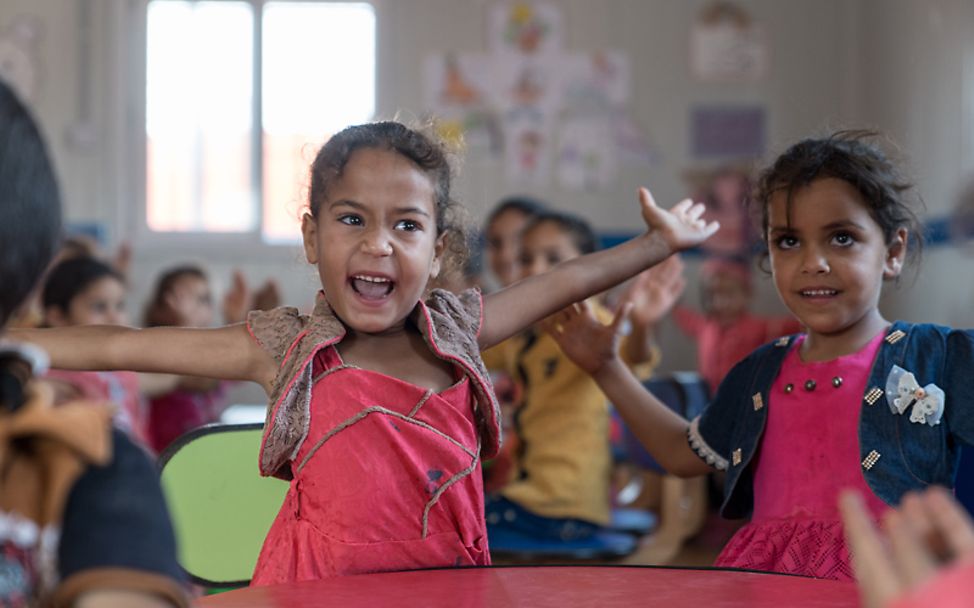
(30,208)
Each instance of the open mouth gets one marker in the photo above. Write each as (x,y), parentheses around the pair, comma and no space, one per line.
(372,287)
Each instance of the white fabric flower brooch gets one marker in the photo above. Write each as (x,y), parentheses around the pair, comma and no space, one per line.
(903,391)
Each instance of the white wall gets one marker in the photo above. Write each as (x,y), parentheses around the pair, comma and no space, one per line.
(904,66)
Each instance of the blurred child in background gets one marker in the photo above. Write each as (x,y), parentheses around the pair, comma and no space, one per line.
(182,297)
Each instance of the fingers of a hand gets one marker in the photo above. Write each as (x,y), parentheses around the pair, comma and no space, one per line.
(646,198)
(912,556)
(875,571)
(680,209)
(951,520)
(620,317)
(696,211)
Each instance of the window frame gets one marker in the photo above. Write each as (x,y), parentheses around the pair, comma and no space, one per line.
(132,184)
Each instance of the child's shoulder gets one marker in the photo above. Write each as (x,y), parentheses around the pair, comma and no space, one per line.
(465,308)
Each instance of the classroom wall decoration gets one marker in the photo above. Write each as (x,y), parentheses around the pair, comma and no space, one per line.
(727,45)
(547,111)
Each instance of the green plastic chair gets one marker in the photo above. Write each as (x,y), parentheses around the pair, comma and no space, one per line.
(220,506)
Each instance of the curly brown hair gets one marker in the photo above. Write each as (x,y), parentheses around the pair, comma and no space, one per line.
(852,157)
(420,147)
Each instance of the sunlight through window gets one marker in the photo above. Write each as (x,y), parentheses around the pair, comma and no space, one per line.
(316,64)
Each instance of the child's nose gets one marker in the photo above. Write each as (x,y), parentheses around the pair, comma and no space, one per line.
(814,261)
(376,242)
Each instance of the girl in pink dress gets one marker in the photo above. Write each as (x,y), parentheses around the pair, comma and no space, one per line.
(856,402)
(380,407)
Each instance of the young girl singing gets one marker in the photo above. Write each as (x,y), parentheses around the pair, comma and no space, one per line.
(855,402)
(380,407)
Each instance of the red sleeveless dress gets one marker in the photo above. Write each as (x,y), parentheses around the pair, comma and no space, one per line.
(388,478)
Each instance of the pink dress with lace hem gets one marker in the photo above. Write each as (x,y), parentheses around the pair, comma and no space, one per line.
(809,453)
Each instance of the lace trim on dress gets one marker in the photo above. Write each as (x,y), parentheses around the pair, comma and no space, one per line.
(703,450)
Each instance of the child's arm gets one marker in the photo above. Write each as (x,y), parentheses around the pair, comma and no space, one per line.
(594,348)
(651,296)
(530,300)
(228,353)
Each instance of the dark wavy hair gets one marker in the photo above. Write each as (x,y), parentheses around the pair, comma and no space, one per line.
(578,228)
(426,152)
(30,204)
(71,277)
(852,157)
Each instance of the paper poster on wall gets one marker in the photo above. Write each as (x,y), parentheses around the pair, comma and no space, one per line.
(456,86)
(727,45)
(586,155)
(525,28)
(633,145)
(727,131)
(595,82)
(529,86)
(528,150)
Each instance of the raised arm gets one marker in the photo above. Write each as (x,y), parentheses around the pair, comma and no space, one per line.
(530,300)
(594,347)
(227,353)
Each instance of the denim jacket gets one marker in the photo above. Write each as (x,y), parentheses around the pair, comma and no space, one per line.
(897,455)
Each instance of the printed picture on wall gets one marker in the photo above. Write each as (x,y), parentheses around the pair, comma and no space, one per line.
(525,28)
(727,45)
(598,81)
(586,155)
(456,90)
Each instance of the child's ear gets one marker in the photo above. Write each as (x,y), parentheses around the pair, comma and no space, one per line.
(896,254)
(309,232)
(438,250)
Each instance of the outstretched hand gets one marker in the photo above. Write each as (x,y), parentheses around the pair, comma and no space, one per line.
(927,531)
(585,340)
(654,292)
(681,227)
(236,302)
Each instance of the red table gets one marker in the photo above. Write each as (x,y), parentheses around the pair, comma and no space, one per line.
(555,586)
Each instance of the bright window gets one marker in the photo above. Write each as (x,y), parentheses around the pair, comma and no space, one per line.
(224,153)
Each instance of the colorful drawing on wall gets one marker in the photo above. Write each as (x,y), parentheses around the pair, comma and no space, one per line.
(595,82)
(727,45)
(727,131)
(525,96)
(525,28)
(528,150)
(456,88)
(633,145)
(726,191)
(586,155)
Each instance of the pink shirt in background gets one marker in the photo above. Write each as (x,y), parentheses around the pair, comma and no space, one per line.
(120,388)
(721,347)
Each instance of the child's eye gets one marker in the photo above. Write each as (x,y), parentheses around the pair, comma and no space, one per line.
(843,239)
(408,225)
(786,242)
(350,219)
